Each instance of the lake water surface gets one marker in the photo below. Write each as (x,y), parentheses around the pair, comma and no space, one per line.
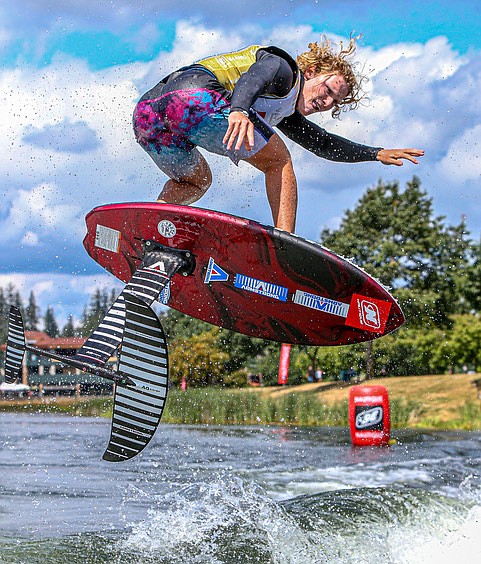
(236,495)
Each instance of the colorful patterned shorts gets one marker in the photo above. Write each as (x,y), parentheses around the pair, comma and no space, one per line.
(171,126)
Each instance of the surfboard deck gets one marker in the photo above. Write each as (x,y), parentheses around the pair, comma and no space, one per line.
(248,277)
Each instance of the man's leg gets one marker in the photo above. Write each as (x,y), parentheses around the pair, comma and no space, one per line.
(190,175)
(189,188)
(274,160)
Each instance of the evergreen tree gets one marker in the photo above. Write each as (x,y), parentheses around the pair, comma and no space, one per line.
(69,328)
(100,303)
(113,296)
(8,297)
(13,297)
(50,323)
(177,325)
(32,314)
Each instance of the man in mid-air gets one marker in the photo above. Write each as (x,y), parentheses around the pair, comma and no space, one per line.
(229,104)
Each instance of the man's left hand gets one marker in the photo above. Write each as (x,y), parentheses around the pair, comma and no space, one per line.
(395,156)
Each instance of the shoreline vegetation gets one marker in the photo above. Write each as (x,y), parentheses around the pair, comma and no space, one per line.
(448,402)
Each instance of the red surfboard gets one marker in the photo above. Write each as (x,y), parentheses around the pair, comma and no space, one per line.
(247,277)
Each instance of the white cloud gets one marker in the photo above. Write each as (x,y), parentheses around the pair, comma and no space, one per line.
(30,239)
(63,137)
(193,41)
(462,162)
(423,63)
(66,294)
(38,211)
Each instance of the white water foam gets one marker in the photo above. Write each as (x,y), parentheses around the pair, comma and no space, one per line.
(201,522)
(450,539)
(231,521)
(308,481)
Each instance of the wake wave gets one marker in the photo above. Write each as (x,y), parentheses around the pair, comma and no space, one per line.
(231,521)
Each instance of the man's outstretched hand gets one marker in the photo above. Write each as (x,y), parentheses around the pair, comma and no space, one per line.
(396,156)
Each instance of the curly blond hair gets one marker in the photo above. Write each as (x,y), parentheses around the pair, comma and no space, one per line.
(324,60)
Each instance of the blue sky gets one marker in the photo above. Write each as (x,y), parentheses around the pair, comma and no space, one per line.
(72,72)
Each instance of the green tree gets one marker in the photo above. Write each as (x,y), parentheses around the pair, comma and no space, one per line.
(394,236)
(464,342)
(32,317)
(177,325)
(50,323)
(198,360)
(100,303)
(69,328)
(8,297)
(13,297)
(472,286)
(240,349)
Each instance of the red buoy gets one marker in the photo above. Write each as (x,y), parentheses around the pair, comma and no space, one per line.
(369,416)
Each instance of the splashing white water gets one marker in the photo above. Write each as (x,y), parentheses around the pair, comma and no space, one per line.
(202,521)
(231,521)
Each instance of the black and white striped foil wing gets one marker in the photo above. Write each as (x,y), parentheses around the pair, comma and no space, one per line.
(15,346)
(143,358)
(106,338)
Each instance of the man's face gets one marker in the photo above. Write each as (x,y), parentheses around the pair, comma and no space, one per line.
(321,92)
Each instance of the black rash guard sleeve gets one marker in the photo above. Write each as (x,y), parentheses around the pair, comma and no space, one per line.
(324,144)
(270,74)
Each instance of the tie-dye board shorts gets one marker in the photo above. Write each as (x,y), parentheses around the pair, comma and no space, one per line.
(182,117)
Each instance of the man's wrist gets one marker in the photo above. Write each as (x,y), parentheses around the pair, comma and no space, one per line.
(241,110)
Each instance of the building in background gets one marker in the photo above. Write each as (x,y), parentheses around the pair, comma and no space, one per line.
(47,376)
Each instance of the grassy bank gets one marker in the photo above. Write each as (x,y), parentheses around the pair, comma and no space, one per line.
(251,407)
(438,402)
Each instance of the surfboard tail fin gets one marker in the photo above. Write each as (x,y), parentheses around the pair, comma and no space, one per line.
(138,405)
(16,346)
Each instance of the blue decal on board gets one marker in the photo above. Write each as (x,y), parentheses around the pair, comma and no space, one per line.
(215,273)
(325,305)
(261,287)
(164,296)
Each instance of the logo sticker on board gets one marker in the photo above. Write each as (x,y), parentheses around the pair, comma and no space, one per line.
(325,305)
(369,418)
(159,266)
(166,228)
(261,287)
(107,238)
(164,296)
(215,273)
(368,313)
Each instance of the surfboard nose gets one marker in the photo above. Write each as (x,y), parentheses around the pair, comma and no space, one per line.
(396,318)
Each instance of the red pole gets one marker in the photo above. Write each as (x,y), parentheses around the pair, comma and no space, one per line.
(284,360)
